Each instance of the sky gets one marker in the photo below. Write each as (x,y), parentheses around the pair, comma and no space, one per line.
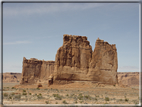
(35,30)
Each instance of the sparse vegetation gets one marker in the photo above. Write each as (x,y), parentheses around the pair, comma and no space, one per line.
(57,97)
(106,98)
(24,93)
(5,95)
(38,88)
(64,102)
(13,88)
(24,90)
(126,99)
(69,96)
(80,97)
(47,102)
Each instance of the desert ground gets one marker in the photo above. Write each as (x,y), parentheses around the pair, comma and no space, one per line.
(74,93)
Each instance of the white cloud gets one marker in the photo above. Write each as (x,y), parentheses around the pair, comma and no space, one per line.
(38,8)
(17,42)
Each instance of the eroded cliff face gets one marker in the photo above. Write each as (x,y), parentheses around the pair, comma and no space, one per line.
(73,58)
(35,71)
(76,61)
(103,66)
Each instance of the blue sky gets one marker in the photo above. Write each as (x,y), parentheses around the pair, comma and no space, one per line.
(35,30)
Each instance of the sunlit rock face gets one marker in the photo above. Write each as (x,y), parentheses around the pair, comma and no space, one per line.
(75,60)
(36,70)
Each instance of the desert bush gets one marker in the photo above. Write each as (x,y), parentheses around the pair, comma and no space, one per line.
(56,102)
(24,93)
(67,95)
(24,90)
(13,88)
(5,95)
(17,97)
(80,97)
(38,88)
(126,99)
(29,93)
(57,96)
(97,95)
(10,97)
(88,97)
(65,102)
(120,100)
(96,99)
(47,102)
(106,98)
(39,96)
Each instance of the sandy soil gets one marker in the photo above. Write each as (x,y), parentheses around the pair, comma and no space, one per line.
(72,93)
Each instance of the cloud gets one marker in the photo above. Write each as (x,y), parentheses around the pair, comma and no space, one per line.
(17,42)
(40,8)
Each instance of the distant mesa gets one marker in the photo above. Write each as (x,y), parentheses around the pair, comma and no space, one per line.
(75,61)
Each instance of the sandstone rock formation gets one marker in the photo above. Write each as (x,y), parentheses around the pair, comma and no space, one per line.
(103,66)
(35,71)
(75,60)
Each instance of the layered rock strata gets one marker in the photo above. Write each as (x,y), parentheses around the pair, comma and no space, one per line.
(35,71)
(75,60)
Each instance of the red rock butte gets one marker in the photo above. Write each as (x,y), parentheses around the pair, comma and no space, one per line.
(75,61)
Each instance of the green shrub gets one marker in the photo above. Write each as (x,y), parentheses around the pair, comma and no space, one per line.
(87,97)
(29,93)
(96,99)
(67,95)
(39,96)
(65,102)
(80,97)
(17,97)
(120,100)
(10,97)
(5,95)
(24,90)
(57,96)
(106,98)
(126,99)
(13,87)
(47,102)
(38,88)
(24,93)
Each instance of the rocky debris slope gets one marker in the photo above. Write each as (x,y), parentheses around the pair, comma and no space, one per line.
(35,71)
(75,60)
